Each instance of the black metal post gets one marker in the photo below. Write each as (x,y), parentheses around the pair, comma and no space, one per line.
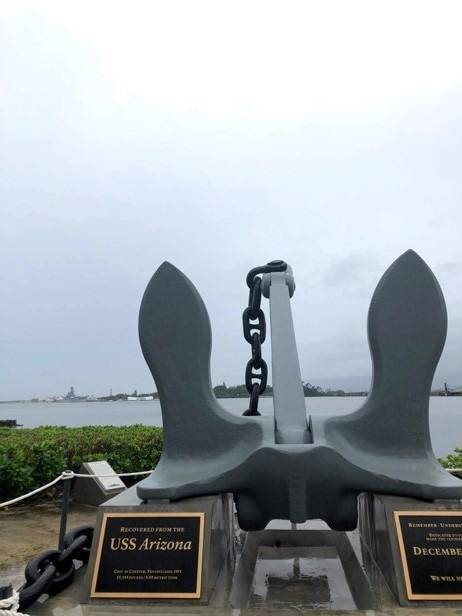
(6,591)
(64,511)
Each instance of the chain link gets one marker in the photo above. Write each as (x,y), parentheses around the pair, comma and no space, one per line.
(53,570)
(254,326)
(79,541)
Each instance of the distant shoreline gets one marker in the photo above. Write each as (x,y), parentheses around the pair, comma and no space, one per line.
(117,399)
(324,394)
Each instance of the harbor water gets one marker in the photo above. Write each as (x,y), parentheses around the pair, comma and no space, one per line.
(445,414)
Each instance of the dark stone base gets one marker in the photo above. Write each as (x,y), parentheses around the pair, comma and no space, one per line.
(380,544)
(218,542)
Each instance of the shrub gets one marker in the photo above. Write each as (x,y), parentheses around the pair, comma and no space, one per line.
(31,457)
(453,460)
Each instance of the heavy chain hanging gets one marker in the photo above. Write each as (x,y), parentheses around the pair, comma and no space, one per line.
(254,325)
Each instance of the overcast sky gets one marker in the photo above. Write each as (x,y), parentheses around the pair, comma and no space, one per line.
(219,136)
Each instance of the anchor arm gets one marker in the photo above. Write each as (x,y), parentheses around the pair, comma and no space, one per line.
(407,325)
(175,338)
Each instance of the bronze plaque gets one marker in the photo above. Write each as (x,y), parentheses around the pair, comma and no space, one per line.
(149,555)
(430,544)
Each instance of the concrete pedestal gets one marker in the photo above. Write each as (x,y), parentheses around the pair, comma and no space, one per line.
(217,539)
(381,538)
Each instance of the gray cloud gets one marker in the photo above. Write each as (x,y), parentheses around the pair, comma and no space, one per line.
(354,272)
(98,189)
(450,269)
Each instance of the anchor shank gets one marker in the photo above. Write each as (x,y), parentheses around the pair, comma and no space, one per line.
(290,423)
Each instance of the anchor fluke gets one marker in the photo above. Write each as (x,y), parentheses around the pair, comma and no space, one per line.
(175,338)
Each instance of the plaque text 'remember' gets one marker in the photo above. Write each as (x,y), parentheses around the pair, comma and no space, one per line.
(150,555)
(430,544)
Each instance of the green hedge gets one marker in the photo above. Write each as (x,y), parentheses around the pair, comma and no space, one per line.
(453,460)
(30,457)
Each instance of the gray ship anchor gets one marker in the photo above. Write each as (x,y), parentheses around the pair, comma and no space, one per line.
(287,466)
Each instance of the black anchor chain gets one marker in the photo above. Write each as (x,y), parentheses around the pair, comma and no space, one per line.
(53,570)
(254,325)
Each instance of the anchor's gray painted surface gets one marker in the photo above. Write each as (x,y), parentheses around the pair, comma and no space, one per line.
(288,397)
(382,447)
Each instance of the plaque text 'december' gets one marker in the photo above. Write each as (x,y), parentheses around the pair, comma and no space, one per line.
(430,544)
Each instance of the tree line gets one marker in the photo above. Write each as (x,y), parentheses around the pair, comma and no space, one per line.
(240,391)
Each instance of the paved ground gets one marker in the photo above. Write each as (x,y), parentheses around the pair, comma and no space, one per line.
(27,531)
(24,532)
